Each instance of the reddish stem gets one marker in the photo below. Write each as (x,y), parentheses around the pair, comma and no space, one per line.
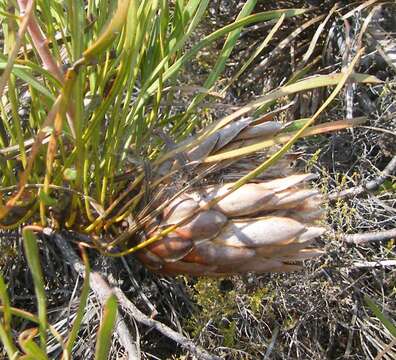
(40,43)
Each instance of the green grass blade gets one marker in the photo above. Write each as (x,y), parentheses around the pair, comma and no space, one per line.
(380,315)
(5,327)
(196,19)
(228,46)
(5,302)
(263,16)
(6,340)
(257,52)
(32,318)
(105,332)
(31,349)
(22,72)
(191,7)
(81,307)
(33,259)
(224,55)
(21,314)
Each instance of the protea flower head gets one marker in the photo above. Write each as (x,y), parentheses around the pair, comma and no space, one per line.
(266,225)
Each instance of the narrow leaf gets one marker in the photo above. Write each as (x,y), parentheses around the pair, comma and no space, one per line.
(106,329)
(380,315)
(5,329)
(229,45)
(81,307)
(22,72)
(33,259)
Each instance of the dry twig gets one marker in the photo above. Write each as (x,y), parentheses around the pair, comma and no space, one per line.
(368,186)
(373,264)
(371,236)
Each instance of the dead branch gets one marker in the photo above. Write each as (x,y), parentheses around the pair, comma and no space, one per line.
(369,186)
(103,290)
(372,236)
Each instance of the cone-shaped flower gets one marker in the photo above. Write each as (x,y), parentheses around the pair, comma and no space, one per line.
(264,226)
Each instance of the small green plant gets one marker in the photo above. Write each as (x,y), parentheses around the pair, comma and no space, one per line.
(214,305)
(258,296)
(229,334)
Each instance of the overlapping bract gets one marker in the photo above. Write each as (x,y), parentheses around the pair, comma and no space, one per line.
(263,226)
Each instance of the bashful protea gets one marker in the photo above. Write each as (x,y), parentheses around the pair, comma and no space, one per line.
(266,225)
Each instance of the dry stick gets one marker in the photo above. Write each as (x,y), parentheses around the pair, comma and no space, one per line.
(385,350)
(373,236)
(368,186)
(373,264)
(103,290)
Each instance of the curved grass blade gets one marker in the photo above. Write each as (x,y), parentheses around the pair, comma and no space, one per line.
(6,340)
(33,318)
(318,31)
(29,347)
(229,46)
(263,16)
(285,42)
(221,60)
(111,31)
(358,9)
